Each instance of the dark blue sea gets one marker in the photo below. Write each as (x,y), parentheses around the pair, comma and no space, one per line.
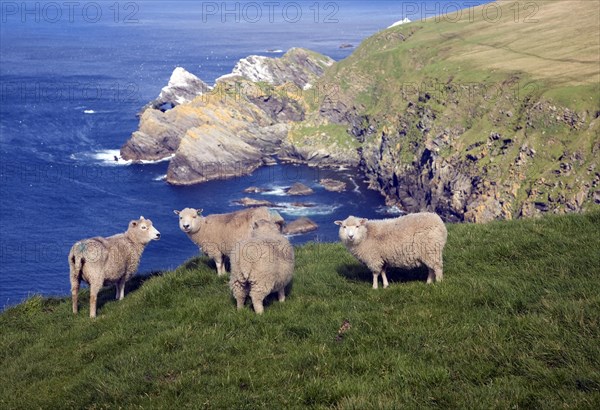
(73,75)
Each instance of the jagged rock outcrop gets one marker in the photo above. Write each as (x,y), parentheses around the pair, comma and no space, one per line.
(298,66)
(231,129)
(182,88)
(300,226)
(159,134)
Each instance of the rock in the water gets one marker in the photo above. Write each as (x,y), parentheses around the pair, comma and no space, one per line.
(300,226)
(333,185)
(299,189)
(303,205)
(251,202)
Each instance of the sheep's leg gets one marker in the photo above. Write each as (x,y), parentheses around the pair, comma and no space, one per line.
(384,278)
(120,289)
(281,295)
(75,293)
(94,290)
(431,276)
(257,302)
(239,293)
(439,274)
(220,265)
(375,275)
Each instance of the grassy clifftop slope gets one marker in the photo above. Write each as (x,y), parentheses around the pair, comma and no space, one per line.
(515,323)
(487,113)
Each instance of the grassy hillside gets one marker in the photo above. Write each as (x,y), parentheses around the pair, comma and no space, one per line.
(515,324)
(507,92)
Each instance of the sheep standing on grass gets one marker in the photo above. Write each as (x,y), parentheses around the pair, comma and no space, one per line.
(115,259)
(261,265)
(217,234)
(406,242)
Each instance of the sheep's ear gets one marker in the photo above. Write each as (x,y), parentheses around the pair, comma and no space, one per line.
(199,211)
(176,212)
(338,223)
(133,223)
(363,221)
(141,218)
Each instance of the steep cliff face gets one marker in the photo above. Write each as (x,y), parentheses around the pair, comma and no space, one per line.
(232,138)
(458,116)
(471,118)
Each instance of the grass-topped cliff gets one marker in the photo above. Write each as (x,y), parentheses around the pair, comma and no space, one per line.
(476,118)
(489,113)
(514,324)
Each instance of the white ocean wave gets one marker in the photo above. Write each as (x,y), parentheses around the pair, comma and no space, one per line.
(276,190)
(274,51)
(289,209)
(157,161)
(356,187)
(89,112)
(112,157)
(390,210)
(109,157)
(160,178)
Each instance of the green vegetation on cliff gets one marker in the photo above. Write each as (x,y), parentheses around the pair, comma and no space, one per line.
(515,324)
(484,114)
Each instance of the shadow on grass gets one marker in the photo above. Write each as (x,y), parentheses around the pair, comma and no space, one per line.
(107,294)
(196,263)
(270,299)
(360,273)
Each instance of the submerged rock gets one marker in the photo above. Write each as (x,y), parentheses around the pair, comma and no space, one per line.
(333,185)
(300,226)
(299,189)
(251,202)
(303,205)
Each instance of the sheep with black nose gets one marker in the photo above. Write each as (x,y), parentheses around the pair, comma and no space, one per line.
(407,242)
(113,260)
(217,234)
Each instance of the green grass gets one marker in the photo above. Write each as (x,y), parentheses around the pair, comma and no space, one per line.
(328,135)
(475,73)
(515,324)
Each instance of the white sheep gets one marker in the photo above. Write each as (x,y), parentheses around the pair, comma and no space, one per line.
(113,260)
(261,265)
(406,242)
(217,234)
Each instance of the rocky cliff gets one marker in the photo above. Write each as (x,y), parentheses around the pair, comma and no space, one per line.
(454,115)
(458,116)
(229,129)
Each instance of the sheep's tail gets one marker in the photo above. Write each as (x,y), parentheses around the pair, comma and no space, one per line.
(76,262)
